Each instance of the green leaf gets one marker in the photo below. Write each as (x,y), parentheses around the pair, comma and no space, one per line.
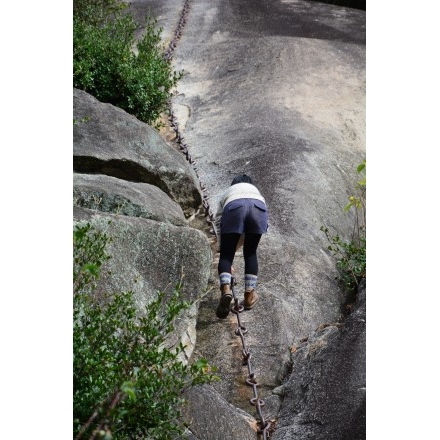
(361,166)
(128,388)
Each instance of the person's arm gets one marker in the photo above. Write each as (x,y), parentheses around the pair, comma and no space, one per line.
(217,223)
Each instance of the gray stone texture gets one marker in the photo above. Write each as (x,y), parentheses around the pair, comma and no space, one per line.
(325,395)
(107,140)
(109,194)
(212,417)
(150,256)
(275,90)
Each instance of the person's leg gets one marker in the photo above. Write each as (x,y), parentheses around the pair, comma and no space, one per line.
(250,246)
(227,253)
(251,242)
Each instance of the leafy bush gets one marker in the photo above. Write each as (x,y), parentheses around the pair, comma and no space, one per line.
(127,384)
(97,12)
(351,261)
(351,255)
(88,257)
(105,63)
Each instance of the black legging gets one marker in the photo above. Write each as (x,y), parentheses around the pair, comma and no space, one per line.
(228,248)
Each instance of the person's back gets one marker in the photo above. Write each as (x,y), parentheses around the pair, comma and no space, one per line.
(242,213)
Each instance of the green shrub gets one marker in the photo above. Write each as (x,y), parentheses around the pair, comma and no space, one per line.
(351,255)
(351,260)
(105,63)
(127,383)
(88,257)
(98,12)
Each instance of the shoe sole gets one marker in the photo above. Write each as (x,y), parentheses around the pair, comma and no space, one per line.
(223,308)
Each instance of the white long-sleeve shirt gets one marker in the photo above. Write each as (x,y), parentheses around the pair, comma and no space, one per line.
(234,192)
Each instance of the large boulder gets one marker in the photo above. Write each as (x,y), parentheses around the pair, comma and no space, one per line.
(109,194)
(107,140)
(130,183)
(150,256)
(210,417)
(325,395)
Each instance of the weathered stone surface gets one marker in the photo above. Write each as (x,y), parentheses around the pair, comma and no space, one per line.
(109,194)
(107,140)
(210,417)
(150,256)
(147,256)
(325,395)
(277,90)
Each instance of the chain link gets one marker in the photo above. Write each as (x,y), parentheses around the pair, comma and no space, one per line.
(265,426)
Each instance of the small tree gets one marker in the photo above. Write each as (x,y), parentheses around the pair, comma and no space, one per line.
(127,383)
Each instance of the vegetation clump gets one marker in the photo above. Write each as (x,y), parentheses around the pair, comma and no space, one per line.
(351,255)
(112,66)
(127,382)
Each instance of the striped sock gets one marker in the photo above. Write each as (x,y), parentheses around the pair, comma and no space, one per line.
(225,278)
(250,282)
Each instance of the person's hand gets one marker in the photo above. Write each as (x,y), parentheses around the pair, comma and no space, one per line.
(232,270)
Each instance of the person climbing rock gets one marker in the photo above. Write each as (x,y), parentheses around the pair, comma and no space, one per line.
(240,220)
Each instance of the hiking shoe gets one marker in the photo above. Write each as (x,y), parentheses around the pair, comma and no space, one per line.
(250,299)
(225,300)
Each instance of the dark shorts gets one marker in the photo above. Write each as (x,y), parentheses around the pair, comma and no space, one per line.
(244,215)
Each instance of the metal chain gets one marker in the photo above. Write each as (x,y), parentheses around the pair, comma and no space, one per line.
(265,427)
(178,32)
(180,140)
